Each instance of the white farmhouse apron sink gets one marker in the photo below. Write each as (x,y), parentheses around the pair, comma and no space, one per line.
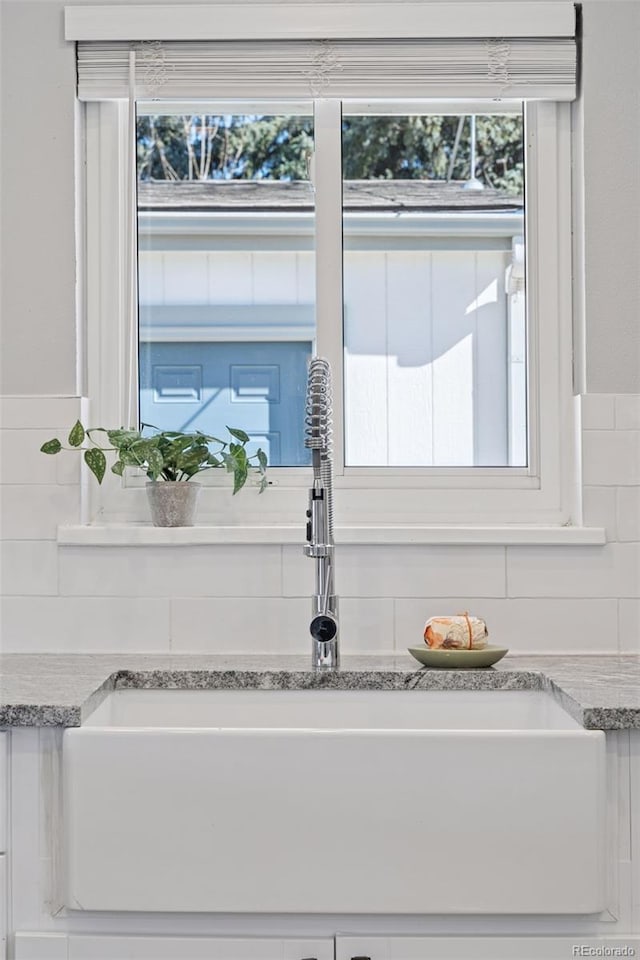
(320,801)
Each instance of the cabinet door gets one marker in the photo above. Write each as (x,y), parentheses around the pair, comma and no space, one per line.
(4,789)
(198,948)
(3,907)
(634,747)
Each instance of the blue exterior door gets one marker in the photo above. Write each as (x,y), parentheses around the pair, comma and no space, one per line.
(258,387)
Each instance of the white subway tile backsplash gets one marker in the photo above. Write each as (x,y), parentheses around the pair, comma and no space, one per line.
(524,626)
(165,571)
(34,511)
(403,571)
(557,625)
(628,513)
(599,509)
(366,625)
(611,458)
(272,625)
(240,625)
(628,411)
(598,411)
(39,413)
(84,624)
(609,571)
(22,462)
(255,599)
(629,626)
(28,567)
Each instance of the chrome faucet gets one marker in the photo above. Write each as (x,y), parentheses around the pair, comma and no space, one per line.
(320,546)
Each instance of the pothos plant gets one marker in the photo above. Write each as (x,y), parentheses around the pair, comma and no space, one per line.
(164,455)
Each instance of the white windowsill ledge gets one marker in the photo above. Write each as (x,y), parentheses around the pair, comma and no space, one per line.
(140,534)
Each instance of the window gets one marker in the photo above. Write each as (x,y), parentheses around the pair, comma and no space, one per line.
(433,318)
(452,377)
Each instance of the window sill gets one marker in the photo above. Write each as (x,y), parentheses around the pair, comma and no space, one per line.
(141,535)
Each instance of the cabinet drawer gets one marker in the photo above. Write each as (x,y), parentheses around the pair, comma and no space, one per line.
(198,948)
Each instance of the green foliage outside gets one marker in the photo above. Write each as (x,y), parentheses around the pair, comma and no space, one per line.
(419,148)
(223,148)
(374,147)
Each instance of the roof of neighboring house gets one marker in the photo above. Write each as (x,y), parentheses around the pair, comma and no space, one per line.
(297,195)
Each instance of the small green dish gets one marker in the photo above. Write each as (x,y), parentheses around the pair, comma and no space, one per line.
(455,659)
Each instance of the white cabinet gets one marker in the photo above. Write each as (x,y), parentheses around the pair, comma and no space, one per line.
(4,831)
(198,948)
(3,907)
(78,947)
(479,948)
(4,789)
(634,852)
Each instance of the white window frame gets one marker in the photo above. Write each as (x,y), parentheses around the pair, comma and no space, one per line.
(544,493)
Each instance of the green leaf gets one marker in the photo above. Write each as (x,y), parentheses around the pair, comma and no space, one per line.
(121,437)
(76,436)
(237,462)
(129,459)
(262,459)
(192,459)
(230,459)
(177,447)
(144,450)
(264,483)
(96,461)
(239,477)
(239,434)
(208,439)
(118,468)
(155,461)
(51,446)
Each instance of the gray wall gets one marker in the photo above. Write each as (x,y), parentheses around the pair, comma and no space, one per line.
(611,91)
(37,178)
(38,266)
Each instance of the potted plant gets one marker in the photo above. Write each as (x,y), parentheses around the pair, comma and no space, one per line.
(169,459)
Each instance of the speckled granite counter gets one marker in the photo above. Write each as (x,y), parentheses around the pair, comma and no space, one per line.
(600,692)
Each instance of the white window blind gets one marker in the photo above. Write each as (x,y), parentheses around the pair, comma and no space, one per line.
(404,49)
(543,69)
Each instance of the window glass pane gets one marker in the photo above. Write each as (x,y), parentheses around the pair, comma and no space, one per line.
(434,297)
(226,271)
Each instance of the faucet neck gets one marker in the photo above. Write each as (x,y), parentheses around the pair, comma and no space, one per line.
(325,654)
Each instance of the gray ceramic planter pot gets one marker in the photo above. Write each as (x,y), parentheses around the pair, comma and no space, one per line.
(173,502)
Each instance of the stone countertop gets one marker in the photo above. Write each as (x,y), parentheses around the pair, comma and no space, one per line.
(600,692)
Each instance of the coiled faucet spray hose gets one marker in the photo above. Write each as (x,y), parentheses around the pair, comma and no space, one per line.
(319,430)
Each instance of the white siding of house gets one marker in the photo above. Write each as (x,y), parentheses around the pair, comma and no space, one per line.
(426,372)
(226,277)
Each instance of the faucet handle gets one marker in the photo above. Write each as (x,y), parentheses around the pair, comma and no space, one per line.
(323,627)
(324,653)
